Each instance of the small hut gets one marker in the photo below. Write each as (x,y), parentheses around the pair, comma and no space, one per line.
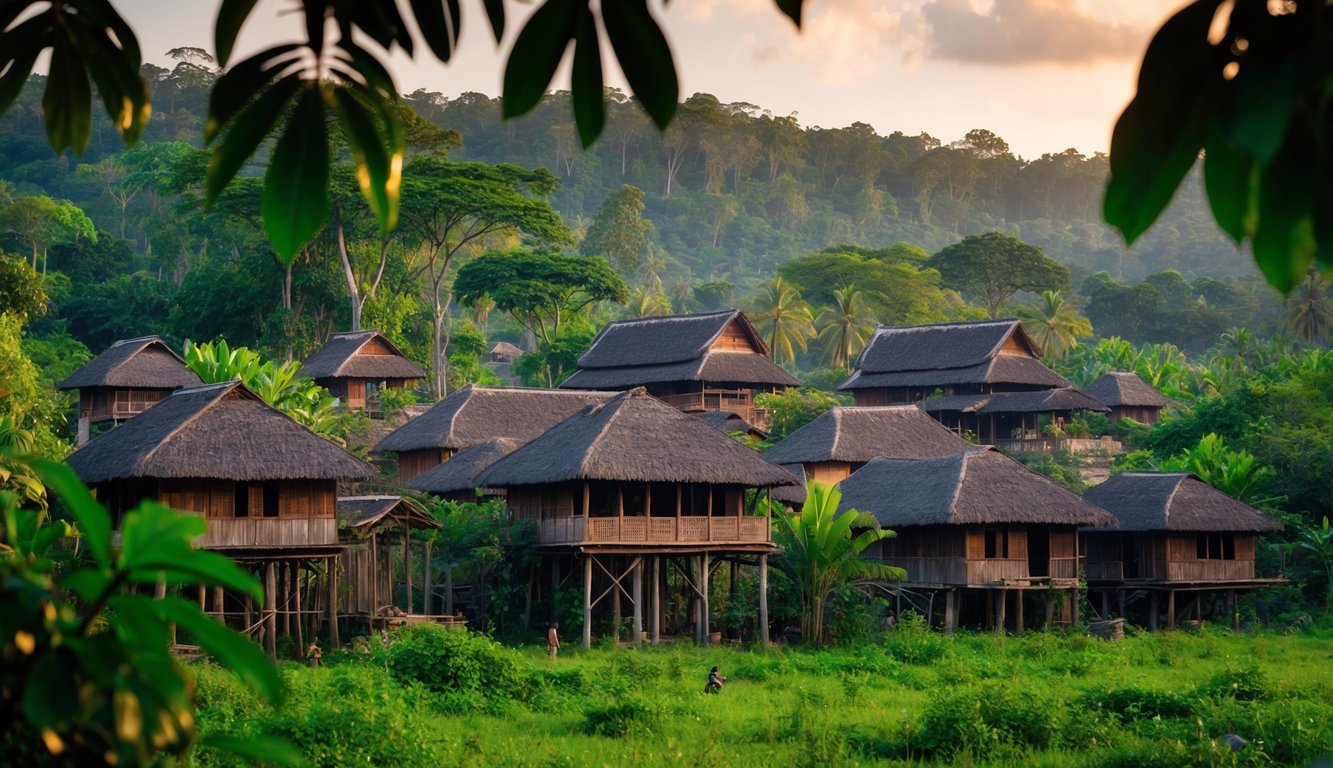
(979,527)
(504,352)
(714,361)
(729,422)
(841,440)
(1009,418)
(358,366)
(371,528)
(125,380)
(1173,533)
(1128,397)
(266,485)
(632,485)
(456,479)
(474,415)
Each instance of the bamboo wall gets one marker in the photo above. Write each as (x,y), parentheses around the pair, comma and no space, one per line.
(1165,557)
(105,403)
(293,513)
(416,463)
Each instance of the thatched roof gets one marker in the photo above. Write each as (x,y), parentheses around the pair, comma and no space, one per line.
(631,353)
(794,495)
(978,487)
(1174,501)
(503,350)
(362,512)
(729,422)
(946,354)
(1041,401)
(342,357)
(143,363)
(858,434)
(217,431)
(634,437)
(474,415)
(460,472)
(1119,388)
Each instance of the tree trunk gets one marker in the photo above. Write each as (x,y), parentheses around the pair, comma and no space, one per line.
(353,290)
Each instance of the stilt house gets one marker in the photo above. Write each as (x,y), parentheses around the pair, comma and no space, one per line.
(474,415)
(266,485)
(358,366)
(1128,397)
(715,361)
(125,380)
(1173,533)
(841,440)
(630,487)
(980,528)
(371,529)
(456,479)
(1001,416)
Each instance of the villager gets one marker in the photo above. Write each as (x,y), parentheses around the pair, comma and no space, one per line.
(313,654)
(553,639)
(890,620)
(715,681)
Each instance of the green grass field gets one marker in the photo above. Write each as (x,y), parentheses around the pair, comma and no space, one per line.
(439,698)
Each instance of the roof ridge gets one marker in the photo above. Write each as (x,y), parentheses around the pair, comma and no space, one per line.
(222,388)
(596,408)
(205,387)
(962,475)
(1170,497)
(149,338)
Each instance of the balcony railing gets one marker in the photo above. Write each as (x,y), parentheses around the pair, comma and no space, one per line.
(1105,570)
(653,530)
(738,402)
(261,532)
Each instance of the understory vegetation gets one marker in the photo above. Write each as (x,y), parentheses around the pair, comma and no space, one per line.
(437,696)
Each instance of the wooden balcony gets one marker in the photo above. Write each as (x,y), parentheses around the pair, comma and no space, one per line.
(996,569)
(1064,567)
(739,402)
(1105,570)
(1210,570)
(268,532)
(653,530)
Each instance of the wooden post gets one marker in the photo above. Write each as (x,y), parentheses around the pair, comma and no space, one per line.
(657,598)
(407,565)
(999,611)
(703,589)
(1232,610)
(587,601)
(203,597)
(1075,607)
(763,600)
(426,577)
(1152,612)
(1170,609)
(374,578)
(284,598)
(270,610)
(638,602)
(616,619)
(949,615)
(220,604)
(555,586)
(300,634)
(160,593)
(1018,611)
(1120,593)
(587,503)
(334,640)
(1106,604)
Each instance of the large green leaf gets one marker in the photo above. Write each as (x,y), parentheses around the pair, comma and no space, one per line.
(20,47)
(1284,242)
(67,101)
(239,85)
(91,517)
(156,544)
(51,692)
(247,130)
(1232,182)
(296,187)
(586,81)
(246,658)
(231,15)
(537,52)
(259,748)
(644,56)
(441,23)
(495,13)
(379,168)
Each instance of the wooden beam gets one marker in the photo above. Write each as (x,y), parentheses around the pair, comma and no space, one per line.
(1152,612)
(587,601)
(407,565)
(763,600)
(638,602)
(703,587)
(270,611)
(332,570)
(587,501)
(1000,604)
(426,577)
(1170,609)
(296,591)
(657,598)
(1018,611)
(949,611)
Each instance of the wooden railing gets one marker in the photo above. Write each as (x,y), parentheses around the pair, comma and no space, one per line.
(123,410)
(1105,570)
(1075,445)
(738,402)
(931,570)
(652,530)
(1064,567)
(1209,570)
(256,532)
(984,571)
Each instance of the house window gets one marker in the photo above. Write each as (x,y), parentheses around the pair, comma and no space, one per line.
(271,498)
(997,543)
(242,508)
(1215,546)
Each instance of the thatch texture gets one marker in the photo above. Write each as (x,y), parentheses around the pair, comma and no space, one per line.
(950,354)
(1042,401)
(1174,501)
(729,422)
(143,363)
(859,434)
(363,512)
(474,415)
(342,357)
(979,487)
(634,437)
(217,431)
(631,353)
(460,472)
(504,351)
(793,495)
(1121,388)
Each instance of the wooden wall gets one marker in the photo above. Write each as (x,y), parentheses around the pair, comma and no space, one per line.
(416,463)
(1167,557)
(105,403)
(1140,413)
(827,472)
(734,339)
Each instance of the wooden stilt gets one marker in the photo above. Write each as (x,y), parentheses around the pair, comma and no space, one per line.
(1232,610)
(657,599)
(616,618)
(1152,612)
(1003,598)
(1170,609)
(426,578)
(949,614)
(270,610)
(296,593)
(203,597)
(587,601)
(1018,611)
(763,600)
(334,640)
(703,589)
(220,605)
(407,567)
(638,602)
(1120,594)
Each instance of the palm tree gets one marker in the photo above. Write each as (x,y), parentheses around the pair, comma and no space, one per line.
(822,551)
(1055,324)
(845,326)
(784,319)
(1309,314)
(646,303)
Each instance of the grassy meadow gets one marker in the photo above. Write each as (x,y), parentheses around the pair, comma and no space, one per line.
(440,697)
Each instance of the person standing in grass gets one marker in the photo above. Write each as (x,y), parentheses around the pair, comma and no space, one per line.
(553,639)
(715,681)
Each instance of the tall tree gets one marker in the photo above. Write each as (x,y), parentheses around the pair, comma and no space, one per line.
(1054,324)
(993,266)
(845,326)
(448,207)
(619,231)
(42,222)
(1309,309)
(784,319)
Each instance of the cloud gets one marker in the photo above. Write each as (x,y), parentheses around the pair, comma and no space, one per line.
(1022,32)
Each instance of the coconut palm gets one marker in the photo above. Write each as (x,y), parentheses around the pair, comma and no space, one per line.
(1055,324)
(821,551)
(784,319)
(646,303)
(1309,315)
(845,326)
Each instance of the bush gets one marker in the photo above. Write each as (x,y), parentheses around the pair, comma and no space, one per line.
(980,719)
(629,715)
(1245,683)
(473,671)
(913,642)
(1133,703)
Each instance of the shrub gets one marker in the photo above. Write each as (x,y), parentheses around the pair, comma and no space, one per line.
(1133,703)
(473,671)
(629,715)
(979,719)
(913,642)
(1243,683)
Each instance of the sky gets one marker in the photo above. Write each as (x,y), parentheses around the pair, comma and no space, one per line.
(1045,75)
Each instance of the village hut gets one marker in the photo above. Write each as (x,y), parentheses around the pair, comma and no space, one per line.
(266,485)
(1173,533)
(1005,417)
(979,527)
(504,352)
(474,415)
(125,380)
(632,484)
(371,529)
(456,479)
(358,366)
(841,440)
(1128,397)
(713,361)
(729,422)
